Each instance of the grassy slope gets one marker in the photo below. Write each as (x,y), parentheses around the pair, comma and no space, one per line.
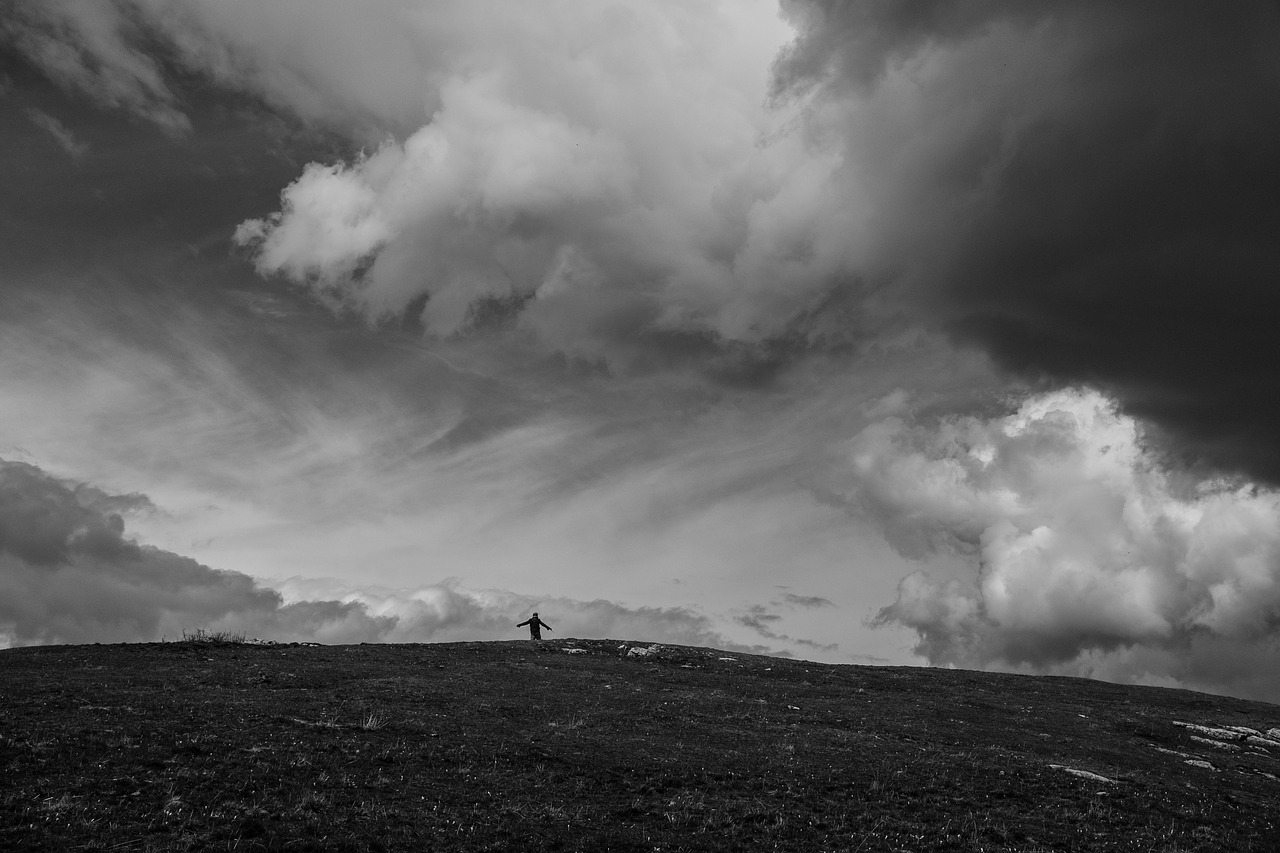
(480,746)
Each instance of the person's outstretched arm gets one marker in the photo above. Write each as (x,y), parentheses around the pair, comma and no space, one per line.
(522,624)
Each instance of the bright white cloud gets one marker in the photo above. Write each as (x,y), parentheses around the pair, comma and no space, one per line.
(1086,545)
(330,224)
(616,161)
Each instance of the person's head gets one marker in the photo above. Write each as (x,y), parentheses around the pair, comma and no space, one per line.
(535,613)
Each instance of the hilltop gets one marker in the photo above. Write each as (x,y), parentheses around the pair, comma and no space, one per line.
(609,745)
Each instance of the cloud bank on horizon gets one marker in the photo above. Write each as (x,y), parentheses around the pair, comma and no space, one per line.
(68,574)
(724,205)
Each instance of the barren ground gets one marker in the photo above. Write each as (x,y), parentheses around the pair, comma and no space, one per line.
(495,746)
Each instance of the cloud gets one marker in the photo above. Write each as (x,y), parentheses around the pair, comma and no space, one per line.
(93,48)
(1082,190)
(1092,557)
(807,601)
(68,574)
(615,169)
(763,623)
(448,611)
(300,445)
(759,619)
(614,173)
(1085,190)
(66,140)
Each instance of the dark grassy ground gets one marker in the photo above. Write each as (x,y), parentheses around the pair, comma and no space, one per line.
(492,746)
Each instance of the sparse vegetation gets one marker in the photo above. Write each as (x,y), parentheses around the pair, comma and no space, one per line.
(487,746)
(213,638)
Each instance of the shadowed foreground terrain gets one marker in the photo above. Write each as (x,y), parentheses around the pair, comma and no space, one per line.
(593,745)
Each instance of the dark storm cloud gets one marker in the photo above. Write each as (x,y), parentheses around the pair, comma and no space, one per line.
(69,574)
(138,205)
(1087,190)
(858,41)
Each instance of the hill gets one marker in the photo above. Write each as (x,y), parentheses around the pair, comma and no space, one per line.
(609,745)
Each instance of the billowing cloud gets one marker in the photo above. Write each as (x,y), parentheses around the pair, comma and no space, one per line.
(614,174)
(614,169)
(1087,190)
(1091,555)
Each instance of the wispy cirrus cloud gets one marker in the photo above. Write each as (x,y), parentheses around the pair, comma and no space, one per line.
(93,48)
(66,140)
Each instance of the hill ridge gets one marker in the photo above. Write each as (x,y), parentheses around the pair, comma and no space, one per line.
(581,744)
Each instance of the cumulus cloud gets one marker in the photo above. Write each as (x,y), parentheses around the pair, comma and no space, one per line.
(1092,557)
(614,167)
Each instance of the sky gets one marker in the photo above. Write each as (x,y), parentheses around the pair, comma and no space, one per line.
(932,333)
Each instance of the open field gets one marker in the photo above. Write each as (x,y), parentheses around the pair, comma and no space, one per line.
(578,745)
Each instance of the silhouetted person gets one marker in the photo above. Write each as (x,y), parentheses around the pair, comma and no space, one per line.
(534,624)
